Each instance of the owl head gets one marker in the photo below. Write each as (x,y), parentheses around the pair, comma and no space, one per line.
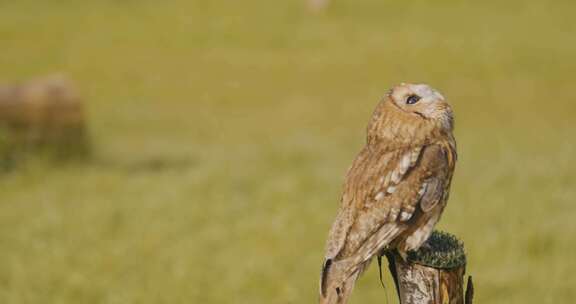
(423,101)
(411,113)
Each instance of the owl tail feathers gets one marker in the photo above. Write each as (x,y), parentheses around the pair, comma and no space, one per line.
(339,294)
(336,284)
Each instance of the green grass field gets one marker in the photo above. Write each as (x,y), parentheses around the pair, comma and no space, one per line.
(223,130)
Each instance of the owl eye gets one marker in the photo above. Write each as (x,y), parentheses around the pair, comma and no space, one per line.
(412,99)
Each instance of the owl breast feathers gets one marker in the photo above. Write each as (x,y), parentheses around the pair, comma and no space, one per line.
(395,190)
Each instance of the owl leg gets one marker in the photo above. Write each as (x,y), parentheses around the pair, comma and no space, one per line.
(418,237)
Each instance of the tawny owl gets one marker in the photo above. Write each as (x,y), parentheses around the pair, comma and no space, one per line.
(396,188)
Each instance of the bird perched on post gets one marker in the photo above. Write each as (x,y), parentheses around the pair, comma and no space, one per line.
(395,190)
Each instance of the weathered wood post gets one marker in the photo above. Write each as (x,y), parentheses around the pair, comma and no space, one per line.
(434,274)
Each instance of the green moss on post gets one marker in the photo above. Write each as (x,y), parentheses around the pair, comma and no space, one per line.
(442,250)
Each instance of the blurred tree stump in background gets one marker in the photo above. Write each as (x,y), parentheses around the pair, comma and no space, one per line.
(44,115)
(434,274)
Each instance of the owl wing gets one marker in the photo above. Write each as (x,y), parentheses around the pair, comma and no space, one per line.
(386,192)
(383,191)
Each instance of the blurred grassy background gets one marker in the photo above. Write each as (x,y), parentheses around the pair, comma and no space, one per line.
(224,128)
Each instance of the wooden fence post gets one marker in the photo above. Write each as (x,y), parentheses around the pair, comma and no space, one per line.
(434,274)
